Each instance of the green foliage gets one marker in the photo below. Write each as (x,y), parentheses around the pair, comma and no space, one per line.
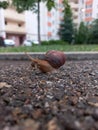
(87,34)
(22,5)
(44,48)
(4,4)
(81,34)
(93,32)
(66,30)
(50,4)
(53,42)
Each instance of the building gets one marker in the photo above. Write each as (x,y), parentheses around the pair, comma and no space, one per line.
(20,26)
(89,10)
(83,10)
(81,14)
(75,10)
(49,22)
(12,25)
(95,9)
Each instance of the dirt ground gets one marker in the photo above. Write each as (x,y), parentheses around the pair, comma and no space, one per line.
(64,100)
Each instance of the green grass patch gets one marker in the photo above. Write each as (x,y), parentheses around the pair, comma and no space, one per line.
(46,47)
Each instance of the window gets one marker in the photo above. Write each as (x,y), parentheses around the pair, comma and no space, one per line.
(88,14)
(76,9)
(19,25)
(89,6)
(6,23)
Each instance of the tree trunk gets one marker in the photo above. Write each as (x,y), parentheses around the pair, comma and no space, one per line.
(39,38)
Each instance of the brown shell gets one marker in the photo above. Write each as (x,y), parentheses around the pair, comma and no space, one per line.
(55,58)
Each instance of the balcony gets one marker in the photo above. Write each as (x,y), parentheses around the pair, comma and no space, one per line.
(12,15)
(15,28)
(74,6)
(75,13)
(15,31)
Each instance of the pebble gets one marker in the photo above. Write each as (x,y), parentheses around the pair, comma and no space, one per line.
(65,100)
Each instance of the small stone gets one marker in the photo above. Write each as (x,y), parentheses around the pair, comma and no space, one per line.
(52,125)
(49,96)
(95,114)
(4,84)
(77,124)
(30,124)
(37,114)
(46,104)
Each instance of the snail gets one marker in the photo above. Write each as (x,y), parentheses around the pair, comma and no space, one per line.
(51,61)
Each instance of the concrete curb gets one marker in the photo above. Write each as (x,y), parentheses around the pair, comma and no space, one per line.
(69,56)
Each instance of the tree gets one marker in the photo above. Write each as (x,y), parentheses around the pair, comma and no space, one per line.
(4,4)
(66,31)
(93,32)
(82,34)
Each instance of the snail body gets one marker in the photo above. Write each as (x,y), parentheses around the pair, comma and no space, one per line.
(52,60)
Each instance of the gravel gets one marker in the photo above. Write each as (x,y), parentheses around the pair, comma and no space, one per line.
(63,100)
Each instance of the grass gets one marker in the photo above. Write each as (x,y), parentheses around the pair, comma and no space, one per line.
(44,48)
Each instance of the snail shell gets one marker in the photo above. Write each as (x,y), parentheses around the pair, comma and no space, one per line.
(55,58)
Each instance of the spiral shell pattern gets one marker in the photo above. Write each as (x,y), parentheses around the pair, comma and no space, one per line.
(55,58)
